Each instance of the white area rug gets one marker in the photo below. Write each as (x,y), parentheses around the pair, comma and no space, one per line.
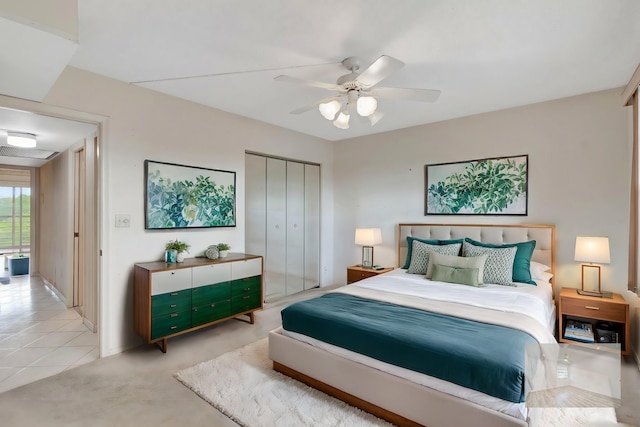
(242,385)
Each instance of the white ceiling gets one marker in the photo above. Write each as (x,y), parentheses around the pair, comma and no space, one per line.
(483,55)
(53,134)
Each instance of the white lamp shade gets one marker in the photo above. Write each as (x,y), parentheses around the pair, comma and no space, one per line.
(342,122)
(329,109)
(366,105)
(368,236)
(22,140)
(375,118)
(592,249)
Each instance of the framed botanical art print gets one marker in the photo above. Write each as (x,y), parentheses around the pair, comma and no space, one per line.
(179,196)
(493,186)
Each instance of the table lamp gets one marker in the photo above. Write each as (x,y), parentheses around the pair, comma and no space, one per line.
(592,250)
(368,238)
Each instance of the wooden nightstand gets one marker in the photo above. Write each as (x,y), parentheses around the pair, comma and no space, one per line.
(356,272)
(603,313)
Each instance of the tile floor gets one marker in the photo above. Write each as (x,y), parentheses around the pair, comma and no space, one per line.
(39,335)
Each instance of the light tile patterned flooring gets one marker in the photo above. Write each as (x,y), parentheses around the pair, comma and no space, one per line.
(39,336)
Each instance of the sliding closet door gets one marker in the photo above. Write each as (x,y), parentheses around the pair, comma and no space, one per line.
(282,216)
(295,227)
(255,204)
(311,226)
(276,242)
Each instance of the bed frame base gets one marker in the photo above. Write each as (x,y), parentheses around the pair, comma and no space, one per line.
(350,399)
(387,396)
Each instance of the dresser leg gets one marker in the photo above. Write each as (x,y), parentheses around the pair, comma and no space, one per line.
(162,345)
(251,318)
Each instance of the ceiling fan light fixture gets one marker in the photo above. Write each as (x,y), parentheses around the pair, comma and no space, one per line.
(342,122)
(329,109)
(375,117)
(21,139)
(367,105)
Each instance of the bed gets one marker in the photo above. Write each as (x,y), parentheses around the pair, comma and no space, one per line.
(386,374)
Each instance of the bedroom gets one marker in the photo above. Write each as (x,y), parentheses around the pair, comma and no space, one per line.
(366,180)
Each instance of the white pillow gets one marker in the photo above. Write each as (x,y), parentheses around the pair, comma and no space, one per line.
(539,271)
(457,261)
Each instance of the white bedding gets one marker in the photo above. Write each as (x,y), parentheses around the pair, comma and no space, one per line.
(533,302)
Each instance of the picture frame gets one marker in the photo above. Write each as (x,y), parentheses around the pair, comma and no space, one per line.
(181,196)
(491,186)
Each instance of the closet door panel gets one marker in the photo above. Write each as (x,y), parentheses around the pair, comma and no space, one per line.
(276,250)
(295,227)
(255,204)
(311,226)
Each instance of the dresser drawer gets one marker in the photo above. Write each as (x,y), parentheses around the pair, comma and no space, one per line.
(210,312)
(248,268)
(211,293)
(210,274)
(170,324)
(245,302)
(170,281)
(170,302)
(601,309)
(245,286)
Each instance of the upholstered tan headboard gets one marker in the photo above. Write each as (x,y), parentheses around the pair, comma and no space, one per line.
(544,235)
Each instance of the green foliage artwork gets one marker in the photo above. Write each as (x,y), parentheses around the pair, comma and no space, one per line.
(180,196)
(496,186)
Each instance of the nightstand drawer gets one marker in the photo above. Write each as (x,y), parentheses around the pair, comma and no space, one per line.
(355,275)
(601,310)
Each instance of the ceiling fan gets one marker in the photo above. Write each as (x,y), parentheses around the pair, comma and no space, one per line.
(359,90)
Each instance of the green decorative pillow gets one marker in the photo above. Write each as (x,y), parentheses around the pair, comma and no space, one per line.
(410,241)
(461,276)
(457,262)
(522,262)
(499,266)
(420,258)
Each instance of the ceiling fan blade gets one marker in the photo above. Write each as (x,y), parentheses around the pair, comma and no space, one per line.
(422,95)
(382,68)
(314,105)
(295,80)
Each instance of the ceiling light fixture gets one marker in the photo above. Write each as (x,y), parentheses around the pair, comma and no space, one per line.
(329,109)
(365,106)
(21,139)
(342,122)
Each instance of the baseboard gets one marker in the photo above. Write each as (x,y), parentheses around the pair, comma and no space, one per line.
(55,291)
(89,324)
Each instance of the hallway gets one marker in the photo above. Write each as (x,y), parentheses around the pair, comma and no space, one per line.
(39,335)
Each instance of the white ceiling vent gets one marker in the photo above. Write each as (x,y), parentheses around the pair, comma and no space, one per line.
(27,153)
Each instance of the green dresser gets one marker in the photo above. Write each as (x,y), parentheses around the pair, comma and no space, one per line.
(172,299)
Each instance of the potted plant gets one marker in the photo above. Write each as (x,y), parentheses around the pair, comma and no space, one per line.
(175,250)
(223,249)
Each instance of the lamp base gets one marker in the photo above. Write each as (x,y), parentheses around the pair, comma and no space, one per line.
(595,293)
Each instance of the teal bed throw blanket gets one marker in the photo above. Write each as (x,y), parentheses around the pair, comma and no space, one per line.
(480,356)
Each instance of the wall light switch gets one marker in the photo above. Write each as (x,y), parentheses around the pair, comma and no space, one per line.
(123,221)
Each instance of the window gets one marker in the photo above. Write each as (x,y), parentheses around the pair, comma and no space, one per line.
(15,219)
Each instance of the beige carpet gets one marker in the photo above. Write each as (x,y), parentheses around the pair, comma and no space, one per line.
(242,385)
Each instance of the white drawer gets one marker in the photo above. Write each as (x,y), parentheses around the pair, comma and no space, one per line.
(170,281)
(248,268)
(210,274)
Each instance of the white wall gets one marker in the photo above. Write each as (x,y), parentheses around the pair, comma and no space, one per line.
(143,124)
(578,177)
